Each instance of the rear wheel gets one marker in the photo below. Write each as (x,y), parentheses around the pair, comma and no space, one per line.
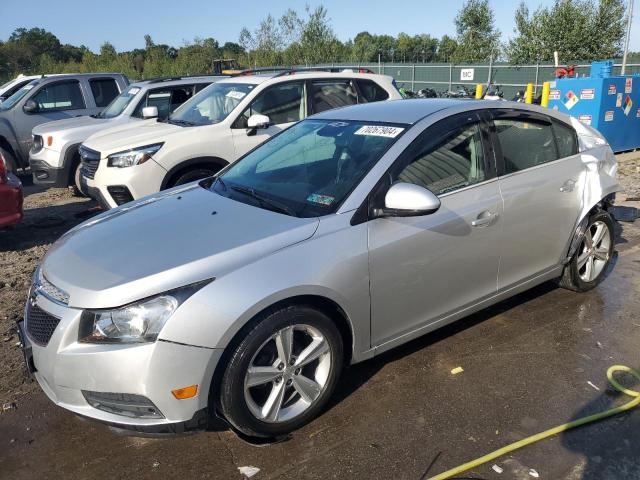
(282,373)
(588,266)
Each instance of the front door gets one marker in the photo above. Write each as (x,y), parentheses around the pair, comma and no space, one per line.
(284,104)
(423,269)
(542,183)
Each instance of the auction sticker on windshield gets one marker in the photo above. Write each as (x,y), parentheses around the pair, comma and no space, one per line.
(235,94)
(379,131)
(134,90)
(321,199)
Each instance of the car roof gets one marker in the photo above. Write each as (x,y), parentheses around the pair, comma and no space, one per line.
(283,76)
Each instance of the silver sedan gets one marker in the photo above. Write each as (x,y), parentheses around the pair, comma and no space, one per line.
(242,296)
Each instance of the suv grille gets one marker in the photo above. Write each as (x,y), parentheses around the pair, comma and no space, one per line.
(40,324)
(90,160)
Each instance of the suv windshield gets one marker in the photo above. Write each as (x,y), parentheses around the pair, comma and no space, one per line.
(211,105)
(118,104)
(16,97)
(309,169)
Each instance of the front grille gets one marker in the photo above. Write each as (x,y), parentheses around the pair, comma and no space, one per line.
(90,160)
(120,194)
(40,324)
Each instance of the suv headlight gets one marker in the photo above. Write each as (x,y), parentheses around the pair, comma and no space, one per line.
(135,156)
(138,322)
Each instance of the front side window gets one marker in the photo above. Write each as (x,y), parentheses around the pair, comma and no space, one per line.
(60,96)
(211,105)
(310,168)
(104,90)
(284,103)
(166,100)
(454,160)
(525,143)
(330,94)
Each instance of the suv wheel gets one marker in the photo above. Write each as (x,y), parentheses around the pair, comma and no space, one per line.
(589,264)
(77,186)
(282,373)
(192,175)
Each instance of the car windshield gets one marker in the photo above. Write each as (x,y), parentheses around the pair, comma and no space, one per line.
(118,104)
(211,105)
(309,169)
(16,97)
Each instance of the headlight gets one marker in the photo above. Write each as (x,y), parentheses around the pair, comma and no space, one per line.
(38,143)
(132,157)
(135,323)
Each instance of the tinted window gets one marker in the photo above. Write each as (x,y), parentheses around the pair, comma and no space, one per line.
(566,139)
(525,143)
(329,94)
(60,96)
(454,160)
(371,91)
(283,103)
(201,86)
(104,90)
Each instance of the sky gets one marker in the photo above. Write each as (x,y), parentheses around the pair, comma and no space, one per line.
(174,22)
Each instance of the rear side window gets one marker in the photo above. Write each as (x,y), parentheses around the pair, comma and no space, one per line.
(371,91)
(567,140)
(104,90)
(60,96)
(525,143)
(326,95)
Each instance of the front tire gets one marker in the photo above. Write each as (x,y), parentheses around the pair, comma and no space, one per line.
(77,186)
(588,266)
(282,373)
(193,175)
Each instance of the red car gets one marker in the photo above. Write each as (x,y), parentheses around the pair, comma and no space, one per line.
(10,196)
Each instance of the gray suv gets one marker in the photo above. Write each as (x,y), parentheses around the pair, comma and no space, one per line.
(52,98)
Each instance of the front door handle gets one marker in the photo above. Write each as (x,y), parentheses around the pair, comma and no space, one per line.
(485,219)
(568,186)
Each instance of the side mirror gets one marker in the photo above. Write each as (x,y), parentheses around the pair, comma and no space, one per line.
(408,200)
(258,121)
(30,106)
(150,112)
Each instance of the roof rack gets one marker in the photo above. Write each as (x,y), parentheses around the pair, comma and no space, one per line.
(281,72)
(182,77)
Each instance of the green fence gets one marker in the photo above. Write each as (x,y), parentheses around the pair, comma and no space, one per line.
(446,77)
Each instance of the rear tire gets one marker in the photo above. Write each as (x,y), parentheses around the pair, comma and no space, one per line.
(589,264)
(264,394)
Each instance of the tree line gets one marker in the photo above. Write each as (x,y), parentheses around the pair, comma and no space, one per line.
(582,30)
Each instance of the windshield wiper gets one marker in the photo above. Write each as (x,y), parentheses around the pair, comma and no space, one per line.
(264,201)
(186,123)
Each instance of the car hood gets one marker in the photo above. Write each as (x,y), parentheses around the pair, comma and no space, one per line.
(70,123)
(123,137)
(171,239)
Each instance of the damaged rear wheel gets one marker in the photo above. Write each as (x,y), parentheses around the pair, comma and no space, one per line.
(588,266)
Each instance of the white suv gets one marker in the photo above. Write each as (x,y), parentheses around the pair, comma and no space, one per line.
(215,128)
(54,157)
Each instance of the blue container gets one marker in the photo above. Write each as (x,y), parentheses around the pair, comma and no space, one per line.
(601,69)
(609,104)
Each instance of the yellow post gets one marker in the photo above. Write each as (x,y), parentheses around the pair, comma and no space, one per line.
(528,98)
(478,91)
(546,88)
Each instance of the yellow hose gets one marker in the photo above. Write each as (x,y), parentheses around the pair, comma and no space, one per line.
(556,430)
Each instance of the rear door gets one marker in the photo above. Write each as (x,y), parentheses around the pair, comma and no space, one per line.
(541,180)
(284,104)
(424,269)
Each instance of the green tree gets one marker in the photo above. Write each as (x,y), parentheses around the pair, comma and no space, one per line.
(577,29)
(446,49)
(478,38)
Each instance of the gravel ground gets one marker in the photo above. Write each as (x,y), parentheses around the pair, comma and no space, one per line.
(50,213)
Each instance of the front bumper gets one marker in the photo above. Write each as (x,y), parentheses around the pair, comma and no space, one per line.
(47,168)
(64,368)
(139,181)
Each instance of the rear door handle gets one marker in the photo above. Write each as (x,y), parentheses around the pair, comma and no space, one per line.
(485,219)
(568,186)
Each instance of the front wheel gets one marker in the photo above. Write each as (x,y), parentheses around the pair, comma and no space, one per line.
(588,266)
(282,373)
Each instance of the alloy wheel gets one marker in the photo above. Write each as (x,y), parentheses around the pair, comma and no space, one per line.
(593,254)
(287,374)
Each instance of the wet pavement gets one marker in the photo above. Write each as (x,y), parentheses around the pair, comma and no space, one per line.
(527,366)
